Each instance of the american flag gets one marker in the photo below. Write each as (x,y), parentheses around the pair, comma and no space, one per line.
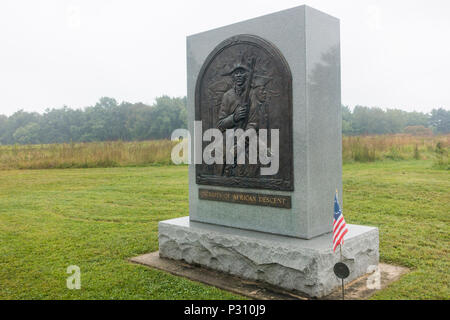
(339,226)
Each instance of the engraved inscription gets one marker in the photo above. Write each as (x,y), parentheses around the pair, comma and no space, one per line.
(246,198)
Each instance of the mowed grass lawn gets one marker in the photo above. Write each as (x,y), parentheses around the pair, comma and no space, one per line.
(97,218)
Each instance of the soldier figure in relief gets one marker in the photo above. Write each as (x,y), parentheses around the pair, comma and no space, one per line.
(233,110)
(236,113)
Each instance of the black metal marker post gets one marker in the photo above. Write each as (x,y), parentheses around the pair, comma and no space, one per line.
(341,271)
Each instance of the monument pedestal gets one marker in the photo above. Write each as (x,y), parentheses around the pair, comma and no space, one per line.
(290,263)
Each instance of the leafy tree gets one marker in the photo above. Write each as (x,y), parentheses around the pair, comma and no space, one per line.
(28,134)
(167,116)
(416,119)
(395,120)
(347,128)
(440,120)
(14,122)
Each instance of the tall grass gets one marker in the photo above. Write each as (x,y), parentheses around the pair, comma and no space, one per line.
(142,153)
(442,160)
(395,147)
(85,155)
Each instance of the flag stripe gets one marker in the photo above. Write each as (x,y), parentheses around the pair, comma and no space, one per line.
(336,223)
(340,241)
(336,234)
(339,226)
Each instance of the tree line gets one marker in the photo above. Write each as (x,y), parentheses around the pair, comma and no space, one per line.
(108,120)
(365,120)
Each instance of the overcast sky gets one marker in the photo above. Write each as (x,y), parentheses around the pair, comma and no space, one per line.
(395,54)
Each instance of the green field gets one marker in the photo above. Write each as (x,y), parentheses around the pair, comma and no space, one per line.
(97,218)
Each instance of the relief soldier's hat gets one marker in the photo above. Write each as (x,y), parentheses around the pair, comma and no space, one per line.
(235,67)
(260,81)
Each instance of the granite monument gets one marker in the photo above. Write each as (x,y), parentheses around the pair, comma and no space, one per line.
(276,72)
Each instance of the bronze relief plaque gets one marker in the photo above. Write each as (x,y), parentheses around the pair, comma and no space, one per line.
(245,83)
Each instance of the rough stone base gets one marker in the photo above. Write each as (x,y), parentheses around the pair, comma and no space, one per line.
(361,288)
(304,266)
